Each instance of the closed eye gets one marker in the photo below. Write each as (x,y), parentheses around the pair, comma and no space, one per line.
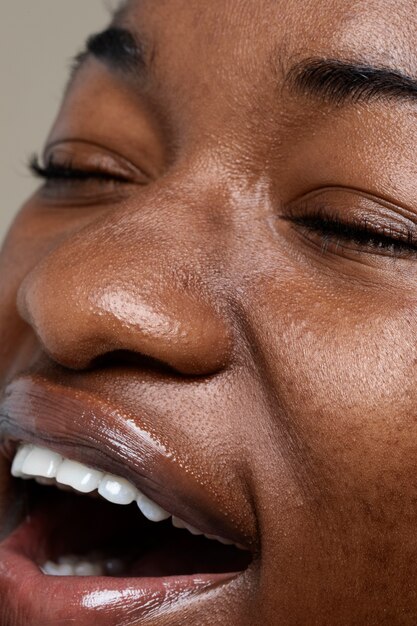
(53,171)
(334,231)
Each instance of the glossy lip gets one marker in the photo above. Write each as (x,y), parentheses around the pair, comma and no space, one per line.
(31,599)
(86,429)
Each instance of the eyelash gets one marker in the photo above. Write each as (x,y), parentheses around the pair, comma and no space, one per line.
(337,232)
(53,172)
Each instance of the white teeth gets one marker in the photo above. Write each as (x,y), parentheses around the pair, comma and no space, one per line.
(117,490)
(178,523)
(193,530)
(42,463)
(50,468)
(73,566)
(54,569)
(151,510)
(45,481)
(226,542)
(78,476)
(84,568)
(19,459)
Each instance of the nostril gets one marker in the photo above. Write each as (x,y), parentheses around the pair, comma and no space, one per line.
(134,360)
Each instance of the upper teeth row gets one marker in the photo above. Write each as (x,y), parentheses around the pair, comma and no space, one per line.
(48,467)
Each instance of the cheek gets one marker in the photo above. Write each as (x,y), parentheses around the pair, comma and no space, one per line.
(27,242)
(36,231)
(344,373)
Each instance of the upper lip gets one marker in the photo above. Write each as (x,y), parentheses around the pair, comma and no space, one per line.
(87,429)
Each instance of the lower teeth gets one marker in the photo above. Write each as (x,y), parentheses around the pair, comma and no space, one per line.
(78,566)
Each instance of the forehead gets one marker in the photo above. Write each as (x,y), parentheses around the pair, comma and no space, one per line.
(214,72)
(245,33)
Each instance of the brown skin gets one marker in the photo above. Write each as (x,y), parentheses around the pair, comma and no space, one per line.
(303,359)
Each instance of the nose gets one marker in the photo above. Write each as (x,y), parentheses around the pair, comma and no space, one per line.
(118,286)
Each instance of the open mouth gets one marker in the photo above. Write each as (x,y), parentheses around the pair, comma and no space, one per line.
(103,520)
(89,523)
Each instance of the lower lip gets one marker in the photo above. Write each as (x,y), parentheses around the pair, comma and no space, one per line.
(29,598)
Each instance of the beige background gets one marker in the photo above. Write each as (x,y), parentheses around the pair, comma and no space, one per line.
(37,40)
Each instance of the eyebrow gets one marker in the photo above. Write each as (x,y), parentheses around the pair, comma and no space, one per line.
(341,82)
(118,48)
(336,81)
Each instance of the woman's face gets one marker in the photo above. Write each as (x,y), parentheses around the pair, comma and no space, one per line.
(214,296)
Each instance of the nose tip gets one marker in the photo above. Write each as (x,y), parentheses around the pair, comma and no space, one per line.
(81,313)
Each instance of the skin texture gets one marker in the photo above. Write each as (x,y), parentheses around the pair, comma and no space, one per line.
(290,365)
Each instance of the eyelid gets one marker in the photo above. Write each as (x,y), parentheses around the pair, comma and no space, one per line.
(355,205)
(359,199)
(354,219)
(88,156)
(81,174)
(53,171)
(351,221)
